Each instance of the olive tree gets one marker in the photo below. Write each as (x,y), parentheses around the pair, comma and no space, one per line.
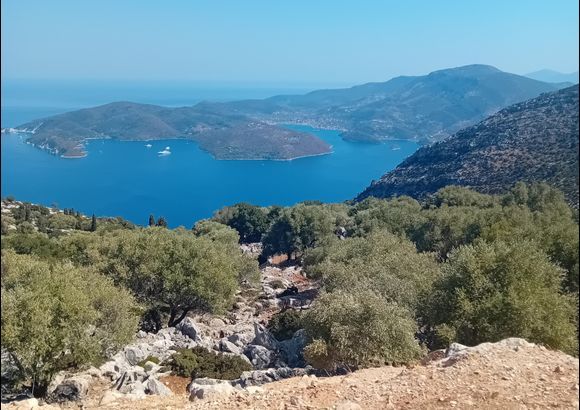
(491,291)
(56,316)
(299,228)
(382,262)
(357,329)
(250,221)
(172,269)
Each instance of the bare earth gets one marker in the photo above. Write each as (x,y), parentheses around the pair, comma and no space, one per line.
(506,375)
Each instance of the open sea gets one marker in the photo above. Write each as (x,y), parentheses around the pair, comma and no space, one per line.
(130,180)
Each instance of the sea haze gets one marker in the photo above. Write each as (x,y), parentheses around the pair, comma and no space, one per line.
(128,179)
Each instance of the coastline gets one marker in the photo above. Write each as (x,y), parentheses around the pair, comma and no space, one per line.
(272,159)
(84,154)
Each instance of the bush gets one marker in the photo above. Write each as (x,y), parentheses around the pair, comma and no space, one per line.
(250,221)
(217,232)
(493,291)
(359,329)
(56,317)
(284,324)
(399,216)
(277,284)
(199,362)
(554,230)
(382,262)
(173,269)
(299,228)
(151,359)
(33,244)
(61,221)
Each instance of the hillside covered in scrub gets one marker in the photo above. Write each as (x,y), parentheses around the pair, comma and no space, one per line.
(536,140)
(101,311)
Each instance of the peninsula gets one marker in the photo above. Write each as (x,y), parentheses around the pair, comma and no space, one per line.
(223,136)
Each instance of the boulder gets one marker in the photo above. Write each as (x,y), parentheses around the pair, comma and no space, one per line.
(135,387)
(455,348)
(259,377)
(10,373)
(109,397)
(154,386)
(209,388)
(226,346)
(216,323)
(134,355)
(264,338)
(238,339)
(114,368)
(291,349)
(70,389)
(260,357)
(190,329)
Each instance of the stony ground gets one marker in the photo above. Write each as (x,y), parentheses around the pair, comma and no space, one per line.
(505,375)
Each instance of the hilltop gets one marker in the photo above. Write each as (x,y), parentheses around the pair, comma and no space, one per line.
(536,140)
(422,108)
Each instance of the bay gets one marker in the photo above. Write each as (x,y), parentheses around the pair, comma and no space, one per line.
(128,179)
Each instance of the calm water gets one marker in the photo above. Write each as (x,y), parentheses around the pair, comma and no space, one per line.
(130,180)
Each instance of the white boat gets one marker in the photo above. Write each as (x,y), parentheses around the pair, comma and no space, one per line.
(148,145)
(165,152)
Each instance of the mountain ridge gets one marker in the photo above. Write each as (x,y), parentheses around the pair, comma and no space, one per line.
(536,140)
(420,108)
(552,76)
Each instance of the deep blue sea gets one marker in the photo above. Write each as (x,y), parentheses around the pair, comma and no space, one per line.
(130,180)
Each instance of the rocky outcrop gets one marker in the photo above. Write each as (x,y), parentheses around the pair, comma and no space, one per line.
(207,388)
(291,349)
(70,389)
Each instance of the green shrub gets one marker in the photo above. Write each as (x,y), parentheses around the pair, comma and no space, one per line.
(384,263)
(491,291)
(151,359)
(33,244)
(284,324)
(359,329)
(56,316)
(318,355)
(250,221)
(199,362)
(299,228)
(277,284)
(173,269)
(399,216)
(62,221)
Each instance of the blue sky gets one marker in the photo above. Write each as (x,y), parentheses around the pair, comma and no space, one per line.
(281,42)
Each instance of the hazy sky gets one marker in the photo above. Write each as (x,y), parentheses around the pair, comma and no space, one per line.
(294,41)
